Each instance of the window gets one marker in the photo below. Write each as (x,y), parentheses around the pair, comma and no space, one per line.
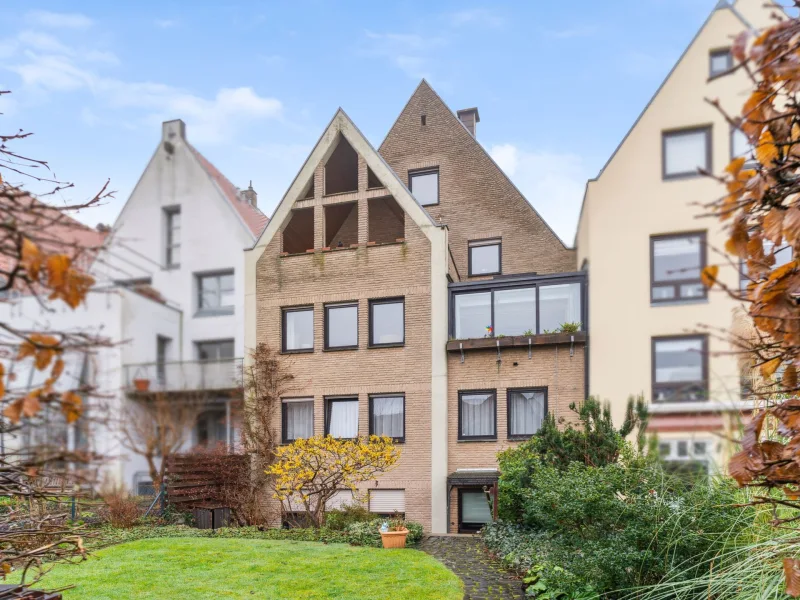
(211,428)
(424,185)
(387,502)
(741,146)
(473,315)
(341,417)
(680,367)
(474,510)
(515,311)
(341,326)
(297,419)
(172,236)
(687,458)
(526,411)
(298,329)
(387,416)
(485,258)
(215,293)
(676,264)
(720,61)
(387,326)
(216,350)
(477,415)
(162,348)
(783,255)
(685,151)
(559,305)
(143,485)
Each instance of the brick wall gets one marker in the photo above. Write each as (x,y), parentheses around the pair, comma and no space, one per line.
(476,199)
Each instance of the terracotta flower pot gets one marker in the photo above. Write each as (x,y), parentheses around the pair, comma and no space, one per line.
(394,539)
(141,385)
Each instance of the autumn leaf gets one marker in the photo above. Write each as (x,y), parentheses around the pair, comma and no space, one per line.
(740,45)
(773,225)
(735,165)
(31,259)
(58,368)
(31,405)
(71,406)
(737,244)
(766,151)
(789,379)
(14,411)
(768,368)
(791,572)
(57,267)
(2,381)
(709,275)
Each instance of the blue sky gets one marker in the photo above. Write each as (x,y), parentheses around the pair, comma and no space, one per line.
(557,83)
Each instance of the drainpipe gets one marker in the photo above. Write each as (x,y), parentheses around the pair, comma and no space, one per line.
(228,436)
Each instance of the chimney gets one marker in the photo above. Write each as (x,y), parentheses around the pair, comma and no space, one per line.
(172,129)
(470,118)
(249,195)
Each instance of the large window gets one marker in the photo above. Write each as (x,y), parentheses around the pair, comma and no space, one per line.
(387,416)
(676,264)
(298,329)
(720,61)
(215,293)
(477,415)
(474,510)
(526,411)
(387,322)
(216,350)
(485,258)
(515,311)
(172,236)
(680,369)
(424,185)
(341,417)
(297,418)
(500,309)
(686,151)
(559,305)
(341,326)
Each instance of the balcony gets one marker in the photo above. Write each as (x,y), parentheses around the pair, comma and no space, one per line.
(218,375)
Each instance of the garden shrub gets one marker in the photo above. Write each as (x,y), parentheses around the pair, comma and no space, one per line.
(368,534)
(340,519)
(121,510)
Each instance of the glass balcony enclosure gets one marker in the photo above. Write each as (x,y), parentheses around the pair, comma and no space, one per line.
(517,305)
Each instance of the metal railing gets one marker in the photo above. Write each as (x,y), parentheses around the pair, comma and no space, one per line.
(184,376)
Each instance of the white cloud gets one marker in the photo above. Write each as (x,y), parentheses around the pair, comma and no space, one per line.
(102,57)
(55,20)
(552,182)
(165,23)
(409,52)
(43,42)
(480,16)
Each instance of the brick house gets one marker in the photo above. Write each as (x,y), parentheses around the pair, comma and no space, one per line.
(381,274)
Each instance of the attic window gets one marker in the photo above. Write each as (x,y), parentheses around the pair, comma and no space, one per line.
(341,225)
(423,119)
(720,61)
(386,221)
(298,235)
(341,170)
(372,180)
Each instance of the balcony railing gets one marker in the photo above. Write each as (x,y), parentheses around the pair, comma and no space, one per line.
(184,376)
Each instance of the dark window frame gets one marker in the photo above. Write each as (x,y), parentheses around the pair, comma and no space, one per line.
(509,391)
(169,242)
(227,309)
(288,400)
(372,397)
(677,283)
(284,311)
(474,528)
(511,283)
(198,343)
(716,53)
(477,438)
(481,244)
(393,300)
(666,134)
(326,315)
(426,171)
(330,401)
(702,384)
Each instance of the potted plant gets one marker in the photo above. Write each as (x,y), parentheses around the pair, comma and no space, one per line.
(141,385)
(395,534)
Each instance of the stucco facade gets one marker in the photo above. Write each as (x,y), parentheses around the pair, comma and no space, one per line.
(630,202)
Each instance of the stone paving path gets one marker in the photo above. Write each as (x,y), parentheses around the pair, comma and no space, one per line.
(483,576)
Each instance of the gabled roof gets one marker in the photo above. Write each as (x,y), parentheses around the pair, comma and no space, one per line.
(341,124)
(255,220)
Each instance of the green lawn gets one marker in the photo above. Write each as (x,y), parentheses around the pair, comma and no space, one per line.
(238,568)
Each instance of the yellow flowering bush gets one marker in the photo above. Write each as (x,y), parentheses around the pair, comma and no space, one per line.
(308,472)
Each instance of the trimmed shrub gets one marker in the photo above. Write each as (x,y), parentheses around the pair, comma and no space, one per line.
(340,519)
(368,534)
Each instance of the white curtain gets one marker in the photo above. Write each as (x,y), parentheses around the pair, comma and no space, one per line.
(477,415)
(343,419)
(475,508)
(387,416)
(299,419)
(526,412)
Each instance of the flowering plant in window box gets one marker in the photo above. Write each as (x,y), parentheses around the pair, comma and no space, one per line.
(395,536)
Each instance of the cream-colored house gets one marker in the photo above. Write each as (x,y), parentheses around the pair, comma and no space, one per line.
(643,240)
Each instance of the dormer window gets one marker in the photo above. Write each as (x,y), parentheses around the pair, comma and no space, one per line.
(485,257)
(424,185)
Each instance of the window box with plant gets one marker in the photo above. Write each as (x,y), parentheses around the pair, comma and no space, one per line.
(394,533)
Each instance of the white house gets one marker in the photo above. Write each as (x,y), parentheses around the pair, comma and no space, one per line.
(170,293)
